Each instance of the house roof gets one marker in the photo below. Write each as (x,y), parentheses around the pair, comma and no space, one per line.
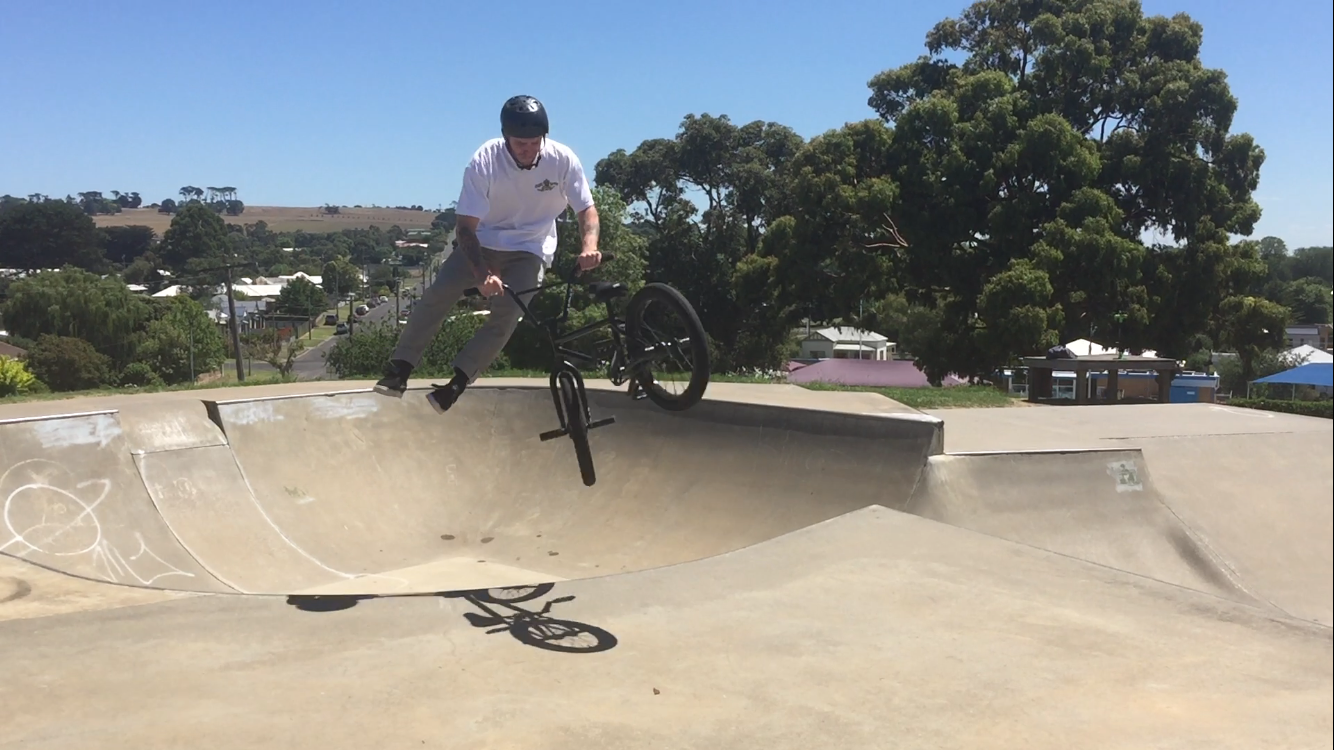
(11,351)
(846,335)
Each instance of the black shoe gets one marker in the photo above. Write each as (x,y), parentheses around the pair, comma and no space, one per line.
(445,395)
(395,380)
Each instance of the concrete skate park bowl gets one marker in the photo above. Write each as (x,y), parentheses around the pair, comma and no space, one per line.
(320,567)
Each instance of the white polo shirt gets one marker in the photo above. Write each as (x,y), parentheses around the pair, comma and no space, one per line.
(517,208)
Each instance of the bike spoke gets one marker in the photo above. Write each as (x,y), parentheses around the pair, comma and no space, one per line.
(664,341)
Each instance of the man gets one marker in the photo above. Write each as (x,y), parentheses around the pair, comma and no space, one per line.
(514,189)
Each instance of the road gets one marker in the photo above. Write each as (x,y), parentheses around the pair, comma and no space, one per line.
(310,363)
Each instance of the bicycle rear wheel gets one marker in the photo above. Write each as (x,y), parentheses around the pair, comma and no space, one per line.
(576,424)
(661,325)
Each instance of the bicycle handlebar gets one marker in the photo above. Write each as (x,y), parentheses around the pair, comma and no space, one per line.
(568,279)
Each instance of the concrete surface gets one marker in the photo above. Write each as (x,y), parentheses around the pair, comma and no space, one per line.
(307,566)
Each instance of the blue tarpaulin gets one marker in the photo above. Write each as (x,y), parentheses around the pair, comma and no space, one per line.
(1313,373)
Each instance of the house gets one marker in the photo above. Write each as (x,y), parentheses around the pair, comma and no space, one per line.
(840,342)
(1310,334)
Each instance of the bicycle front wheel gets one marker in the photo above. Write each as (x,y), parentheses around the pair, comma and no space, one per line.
(576,424)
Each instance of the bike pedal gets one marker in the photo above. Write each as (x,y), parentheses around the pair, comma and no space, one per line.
(602,422)
(553,434)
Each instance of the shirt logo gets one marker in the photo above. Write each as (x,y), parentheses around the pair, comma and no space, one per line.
(545,186)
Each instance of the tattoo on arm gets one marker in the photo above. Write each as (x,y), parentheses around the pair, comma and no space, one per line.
(472,250)
(590,229)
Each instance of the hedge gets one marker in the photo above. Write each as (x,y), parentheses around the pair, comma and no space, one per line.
(1305,408)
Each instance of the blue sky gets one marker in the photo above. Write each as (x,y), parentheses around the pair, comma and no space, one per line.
(306,103)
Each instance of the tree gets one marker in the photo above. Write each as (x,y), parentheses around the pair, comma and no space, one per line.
(196,233)
(49,234)
(739,172)
(266,344)
(1308,299)
(301,297)
(123,244)
(182,343)
(1251,326)
(1071,129)
(77,304)
(339,277)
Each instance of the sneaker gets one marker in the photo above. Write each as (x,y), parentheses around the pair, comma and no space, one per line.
(444,396)
(395,380)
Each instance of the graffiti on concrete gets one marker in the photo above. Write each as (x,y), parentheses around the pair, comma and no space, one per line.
(48,513)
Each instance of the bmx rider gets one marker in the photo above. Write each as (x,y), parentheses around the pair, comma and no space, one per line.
(514,189)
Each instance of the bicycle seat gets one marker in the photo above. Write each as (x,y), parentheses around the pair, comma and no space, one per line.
(604,291)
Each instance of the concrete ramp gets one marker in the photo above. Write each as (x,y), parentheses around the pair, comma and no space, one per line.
(1097,506)
(1265,504)
(352,492)
(72,500)
(378,495)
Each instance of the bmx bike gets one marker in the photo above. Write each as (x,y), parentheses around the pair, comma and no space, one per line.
(637,351)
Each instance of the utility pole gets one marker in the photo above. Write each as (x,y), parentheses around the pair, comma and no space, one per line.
(231,312)
(395,261)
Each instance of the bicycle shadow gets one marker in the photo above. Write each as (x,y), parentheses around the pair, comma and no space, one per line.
(534,628)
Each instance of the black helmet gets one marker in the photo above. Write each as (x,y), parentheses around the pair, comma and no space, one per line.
(523,117)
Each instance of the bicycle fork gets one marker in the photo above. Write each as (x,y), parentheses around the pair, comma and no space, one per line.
(570,374)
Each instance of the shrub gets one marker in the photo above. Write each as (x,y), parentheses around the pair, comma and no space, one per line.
(140,374)
(68,364)
(15,377)
(364,353)
(1305,408)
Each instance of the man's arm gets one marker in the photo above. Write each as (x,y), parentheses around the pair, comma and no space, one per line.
(589,229)
(465,232)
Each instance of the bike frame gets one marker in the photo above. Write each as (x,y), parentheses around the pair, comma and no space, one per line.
(562,356)
(561,366)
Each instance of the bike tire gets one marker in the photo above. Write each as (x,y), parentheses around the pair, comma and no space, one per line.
(513,594)
(576,423)
(550,634)
(699,346)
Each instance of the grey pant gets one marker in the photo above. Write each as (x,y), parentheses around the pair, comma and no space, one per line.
(520,270)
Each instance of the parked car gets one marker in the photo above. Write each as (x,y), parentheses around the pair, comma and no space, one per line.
(361,310)
(340,329)
(330,319)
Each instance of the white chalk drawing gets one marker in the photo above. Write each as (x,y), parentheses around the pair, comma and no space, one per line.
(345,407)
(42,517)
(250,412)
(1126,474)
(99,430)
